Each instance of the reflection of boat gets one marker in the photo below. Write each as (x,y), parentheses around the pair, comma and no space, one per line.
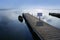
(20,18)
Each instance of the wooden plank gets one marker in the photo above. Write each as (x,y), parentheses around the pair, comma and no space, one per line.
(44,31)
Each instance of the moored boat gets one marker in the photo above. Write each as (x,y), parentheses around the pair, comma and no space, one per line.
(20,18)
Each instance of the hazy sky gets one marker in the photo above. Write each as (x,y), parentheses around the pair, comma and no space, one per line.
(29,3)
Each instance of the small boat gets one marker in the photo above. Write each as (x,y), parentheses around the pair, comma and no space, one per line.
(20,18)
(55,14)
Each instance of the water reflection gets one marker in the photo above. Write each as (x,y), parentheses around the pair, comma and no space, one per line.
(54,21)
(11,28)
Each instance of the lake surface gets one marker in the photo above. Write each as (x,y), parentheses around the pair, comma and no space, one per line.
(11,28)
(54,21)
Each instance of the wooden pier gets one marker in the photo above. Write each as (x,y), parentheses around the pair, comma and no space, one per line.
(43,30)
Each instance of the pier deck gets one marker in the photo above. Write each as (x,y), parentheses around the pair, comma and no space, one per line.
(44,31)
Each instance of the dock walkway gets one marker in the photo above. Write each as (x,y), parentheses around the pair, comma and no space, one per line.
(45,31)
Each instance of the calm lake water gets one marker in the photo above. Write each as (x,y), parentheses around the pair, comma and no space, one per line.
(54,21)
(11,28)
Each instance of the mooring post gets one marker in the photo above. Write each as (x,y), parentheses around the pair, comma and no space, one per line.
(39,14)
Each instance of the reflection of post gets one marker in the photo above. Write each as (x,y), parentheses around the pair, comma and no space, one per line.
(39,18)
(32,13)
